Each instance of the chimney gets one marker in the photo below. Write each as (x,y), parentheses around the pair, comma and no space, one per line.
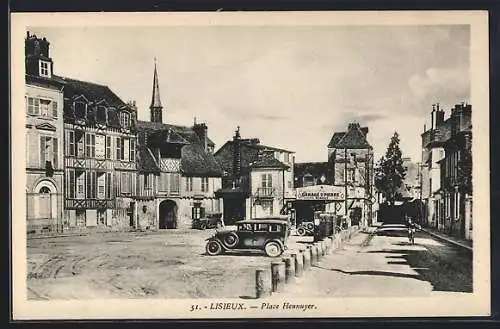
(439,117)
(432,116)
(201,130)
(236,155)
(353,126)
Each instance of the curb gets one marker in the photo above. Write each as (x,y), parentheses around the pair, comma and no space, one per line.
(448,240)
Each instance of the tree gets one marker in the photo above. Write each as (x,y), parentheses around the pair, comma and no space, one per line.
(390,173)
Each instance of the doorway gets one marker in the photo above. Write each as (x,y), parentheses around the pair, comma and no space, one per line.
(168,215)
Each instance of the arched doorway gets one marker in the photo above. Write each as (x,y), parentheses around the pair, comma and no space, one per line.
(43,204)
(168,215)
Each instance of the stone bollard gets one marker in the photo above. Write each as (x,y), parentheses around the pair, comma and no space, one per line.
(307,258)
(299,263)
(289,268)
(278,276)
(263,285)
(314,255)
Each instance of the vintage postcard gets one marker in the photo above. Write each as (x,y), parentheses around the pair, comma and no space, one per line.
(250,165)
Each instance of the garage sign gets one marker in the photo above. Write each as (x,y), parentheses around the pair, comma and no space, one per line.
(321,192)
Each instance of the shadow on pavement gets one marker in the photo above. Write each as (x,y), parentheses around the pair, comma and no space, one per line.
(378,273)
(446,272)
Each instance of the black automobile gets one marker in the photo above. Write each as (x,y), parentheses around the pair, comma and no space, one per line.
(208,221)
(269,235)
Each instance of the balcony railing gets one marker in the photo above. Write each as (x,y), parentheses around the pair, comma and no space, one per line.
(265,192)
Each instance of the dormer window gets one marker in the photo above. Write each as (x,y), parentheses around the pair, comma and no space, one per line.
(80,110)
(101,114)
(125,120)
(44,69)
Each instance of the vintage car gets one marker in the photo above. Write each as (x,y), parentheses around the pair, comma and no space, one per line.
(208,221)
(305,228)
(265,234)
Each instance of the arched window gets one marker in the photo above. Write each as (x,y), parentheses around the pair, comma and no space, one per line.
(44,190)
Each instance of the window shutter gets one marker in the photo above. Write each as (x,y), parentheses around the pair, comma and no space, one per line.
(118,148)
(42,151)
(132,150)
(54,109)
(55,150)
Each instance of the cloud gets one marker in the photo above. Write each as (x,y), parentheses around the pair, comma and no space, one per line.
(440,81)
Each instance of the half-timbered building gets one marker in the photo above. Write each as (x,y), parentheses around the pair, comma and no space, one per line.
(177,172)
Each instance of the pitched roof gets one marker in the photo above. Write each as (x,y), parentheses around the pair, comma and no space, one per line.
(335,139)
(92,91)
(145,160)
(196,162)
(354,138)
(267,161)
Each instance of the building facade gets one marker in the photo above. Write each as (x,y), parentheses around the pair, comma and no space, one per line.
(447,171)
(177,172)
(44,138)
(351,156)
(258,179)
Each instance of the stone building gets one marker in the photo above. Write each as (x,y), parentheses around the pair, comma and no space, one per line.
(447,171)
(258,179)
(456,175)
(177,172)
(44,138)
(351,156)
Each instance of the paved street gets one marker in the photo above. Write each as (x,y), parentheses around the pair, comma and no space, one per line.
(172,264)
(388,266)
(167,264)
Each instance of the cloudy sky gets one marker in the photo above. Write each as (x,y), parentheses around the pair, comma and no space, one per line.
(292,87)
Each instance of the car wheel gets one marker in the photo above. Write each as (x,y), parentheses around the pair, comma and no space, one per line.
(301,231)
(310,226)
(273,249)
(214,248)
(203,225)
(231,240)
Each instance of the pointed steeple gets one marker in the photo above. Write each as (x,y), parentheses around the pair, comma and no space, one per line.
(156,107)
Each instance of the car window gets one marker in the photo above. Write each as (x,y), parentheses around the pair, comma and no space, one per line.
(261,227)
(275,228)
(245,227)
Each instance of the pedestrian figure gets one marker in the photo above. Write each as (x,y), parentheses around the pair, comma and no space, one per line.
(411,230)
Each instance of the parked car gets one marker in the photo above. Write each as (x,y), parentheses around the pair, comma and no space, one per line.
(269,235)
(208,221)
(305,228)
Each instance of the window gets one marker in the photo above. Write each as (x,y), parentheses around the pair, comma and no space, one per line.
(286,157)
(204,184)
(147,182)
(261,227)
(189,184)
(48,151)
(100,147)
(274,228)
(132,150)
(44,108)
(70,183)
(90,139)
(101,114)
(33,105)
(101,185)
(125,182)
(289,184)
(119,148)
(80,143)
(267,180)
(44,69)
(308,180)
(70,147)
(80,110)
(174,183)
(162,186)
(91,185)
(108,185)
(108,147)
(80,185)
(125,119)
(125,149)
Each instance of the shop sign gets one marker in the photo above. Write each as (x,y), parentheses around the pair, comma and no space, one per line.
(321,192)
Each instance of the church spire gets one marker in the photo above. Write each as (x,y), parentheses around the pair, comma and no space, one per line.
(156,107)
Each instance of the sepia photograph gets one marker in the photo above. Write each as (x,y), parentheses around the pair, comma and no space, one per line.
(250,165)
